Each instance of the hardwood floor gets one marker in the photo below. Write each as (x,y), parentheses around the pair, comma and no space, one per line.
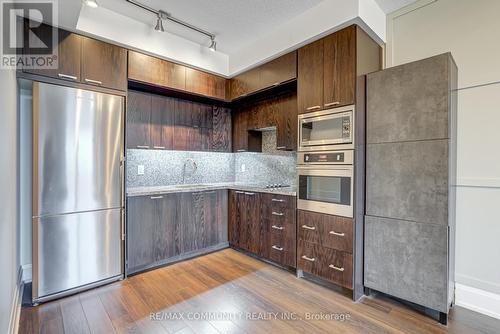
(232,292)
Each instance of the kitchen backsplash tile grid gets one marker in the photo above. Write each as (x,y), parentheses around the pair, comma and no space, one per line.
(163,167)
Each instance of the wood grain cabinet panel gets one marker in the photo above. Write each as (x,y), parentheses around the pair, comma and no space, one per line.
(286,123)
(310,77)
(138,120)
(339,68)
(326,230)
(279,70)
(221,136)
(69,54)
(162,122)
(245,84)
(203,83)
(170,75)
(169,227)
(104,64)
(141,66)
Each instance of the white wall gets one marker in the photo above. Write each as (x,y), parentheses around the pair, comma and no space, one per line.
(471,31)
(8,196)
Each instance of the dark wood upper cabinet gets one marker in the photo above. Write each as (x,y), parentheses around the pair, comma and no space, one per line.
(310,77)
(221,136)
(279,70)
(271,74)
(104,64)
(245,139)
(339,68)
(138,120)
(162,122)
(163,73)
(286,123)
(69,54)
(327,69)
(245,84)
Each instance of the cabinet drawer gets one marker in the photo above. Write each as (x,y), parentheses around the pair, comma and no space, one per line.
(332,265)
(326,230)
(282,249)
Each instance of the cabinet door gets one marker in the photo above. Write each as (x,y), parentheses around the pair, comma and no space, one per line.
(162,122)
(104,64)
(138,120)
(221,136)
(234,218)
(240,133)
(340,68)
(141,66)
(69,54)
(167,228)
(141,218)
(252,221)
(278,70)
(187,216)
(245,83)
(310,77)
(286,123)
(170,75)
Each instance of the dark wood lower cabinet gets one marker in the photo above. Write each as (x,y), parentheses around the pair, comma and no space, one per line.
(166,228)
(263,224)
(325,246)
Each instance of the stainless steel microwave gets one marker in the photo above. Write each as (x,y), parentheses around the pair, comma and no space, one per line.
(331,129)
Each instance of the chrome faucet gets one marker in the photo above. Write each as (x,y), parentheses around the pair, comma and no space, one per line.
(194,168)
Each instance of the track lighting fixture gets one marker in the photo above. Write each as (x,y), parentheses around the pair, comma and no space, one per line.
(159,23)
(91,3)
(213,45)
(161,15)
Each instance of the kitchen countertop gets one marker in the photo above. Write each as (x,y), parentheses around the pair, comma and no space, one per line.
(158,190)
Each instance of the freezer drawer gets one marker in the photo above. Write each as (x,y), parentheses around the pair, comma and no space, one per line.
(75,249)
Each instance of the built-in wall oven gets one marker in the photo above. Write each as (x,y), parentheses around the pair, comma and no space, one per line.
(325,182)
(331,129)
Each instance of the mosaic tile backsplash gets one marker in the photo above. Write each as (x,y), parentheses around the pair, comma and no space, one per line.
(163,168)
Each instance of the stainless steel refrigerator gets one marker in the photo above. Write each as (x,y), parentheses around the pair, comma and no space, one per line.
(77,190)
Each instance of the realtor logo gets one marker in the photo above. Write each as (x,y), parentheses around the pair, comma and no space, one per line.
(26,42)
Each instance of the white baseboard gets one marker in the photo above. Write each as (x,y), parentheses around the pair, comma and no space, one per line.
(477,300)
(17,299)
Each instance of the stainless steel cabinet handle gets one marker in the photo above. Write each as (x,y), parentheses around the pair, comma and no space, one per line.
(249,194)
(94,82)
(66,76)
(337,233)
(142,146)
(278,248)
(331,104)
(336,268)
(239,192)
(277,213)
(277,200)
(277,227)
(312,228)
(276,84)
(310,259)
(159,147)
(156,197)
(241,150)
(313,108)
(281,147)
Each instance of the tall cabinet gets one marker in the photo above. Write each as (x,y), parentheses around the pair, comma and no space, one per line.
(410,174)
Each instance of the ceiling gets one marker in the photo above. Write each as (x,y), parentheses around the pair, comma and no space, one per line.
(389,6)
(236,23)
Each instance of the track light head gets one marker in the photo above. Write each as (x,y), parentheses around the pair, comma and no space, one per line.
(213,45)
(159,24)
(91,3)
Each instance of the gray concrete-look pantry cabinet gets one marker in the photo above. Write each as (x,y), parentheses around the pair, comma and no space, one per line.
(411,171)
